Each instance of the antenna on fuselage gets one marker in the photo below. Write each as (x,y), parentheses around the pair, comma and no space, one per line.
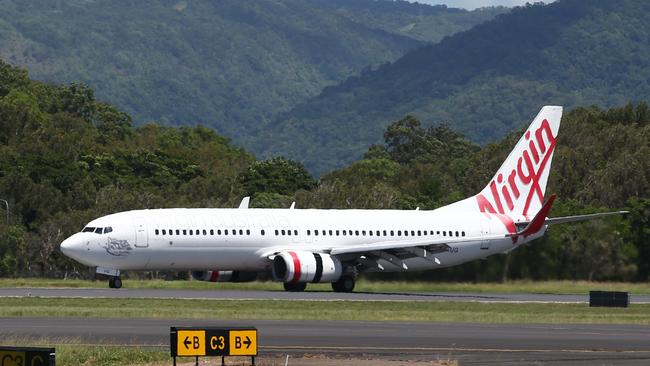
(244,203)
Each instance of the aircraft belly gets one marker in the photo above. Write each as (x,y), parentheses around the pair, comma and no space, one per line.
(207,258)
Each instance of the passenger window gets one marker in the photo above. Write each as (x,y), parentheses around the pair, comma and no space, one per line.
(378,233)
(456,233)
(225,231)
(337,233)
(276,232)
(308,232)
(345,232)
(248,231)
(330,232)
(284,232)
(316,232)
(385,234)
(356,233)
(185,232)
(444,233)
(450,233)
(211,231)
(218,231)
(164,232)
(233,232)
(323,232)
(438,232)
(399,232)
(241,232)
(392,233)
(295,232)
(370,232)
(178,232)
(363,232)
(156,232)
(262,232)
(463,233)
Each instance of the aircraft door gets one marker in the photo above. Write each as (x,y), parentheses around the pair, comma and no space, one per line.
(485,231)
(141,234)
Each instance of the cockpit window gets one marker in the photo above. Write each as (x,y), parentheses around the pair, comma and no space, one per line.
(97,230)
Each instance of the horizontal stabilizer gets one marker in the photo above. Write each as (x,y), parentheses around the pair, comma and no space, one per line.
(565,219)
(538,221)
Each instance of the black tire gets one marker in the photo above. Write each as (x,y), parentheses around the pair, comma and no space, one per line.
(295,286)
(344,284)
(115,282)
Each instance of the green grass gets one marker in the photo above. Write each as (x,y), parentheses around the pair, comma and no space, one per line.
(73,352)
(330,310)
(541,287)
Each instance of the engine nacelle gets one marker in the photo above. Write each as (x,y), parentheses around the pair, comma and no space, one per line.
(224,276)
(295,266)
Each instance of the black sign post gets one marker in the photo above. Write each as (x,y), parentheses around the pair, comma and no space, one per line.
(27,356)
(209,341)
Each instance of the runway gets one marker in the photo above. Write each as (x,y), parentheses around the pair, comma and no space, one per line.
(470,344)
(308,295)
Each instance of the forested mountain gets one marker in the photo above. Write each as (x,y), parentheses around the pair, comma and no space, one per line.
(228,64)
(415,20)
(66,158)
(483,82)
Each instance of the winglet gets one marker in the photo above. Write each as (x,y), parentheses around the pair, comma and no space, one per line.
(538,221)
(244,202)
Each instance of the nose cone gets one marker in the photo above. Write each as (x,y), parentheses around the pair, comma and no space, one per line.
(72,246)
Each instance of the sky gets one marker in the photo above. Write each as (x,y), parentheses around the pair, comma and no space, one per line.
(473,4)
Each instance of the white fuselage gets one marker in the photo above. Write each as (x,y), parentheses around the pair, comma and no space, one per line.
(242,239)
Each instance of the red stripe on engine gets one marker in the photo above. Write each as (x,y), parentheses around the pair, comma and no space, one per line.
(214,276)
(296,267)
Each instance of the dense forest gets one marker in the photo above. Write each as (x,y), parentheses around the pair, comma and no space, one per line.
(229,64)
(484,81)
(66,158)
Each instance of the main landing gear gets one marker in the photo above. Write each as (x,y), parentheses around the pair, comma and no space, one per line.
(115,282)
(344,284)
(295,286)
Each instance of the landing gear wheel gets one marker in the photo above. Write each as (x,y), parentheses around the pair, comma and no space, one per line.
(344,284)
(295,287)
(115,282)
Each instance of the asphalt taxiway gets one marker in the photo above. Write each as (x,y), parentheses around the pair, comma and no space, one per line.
(470,344)
(307,295)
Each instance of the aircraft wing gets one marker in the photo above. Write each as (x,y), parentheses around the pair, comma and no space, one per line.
(431,244)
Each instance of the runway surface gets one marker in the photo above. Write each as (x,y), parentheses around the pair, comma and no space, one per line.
(308,295)
(470,344)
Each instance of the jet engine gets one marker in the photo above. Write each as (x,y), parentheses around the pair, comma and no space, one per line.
(296,266)
(224,276)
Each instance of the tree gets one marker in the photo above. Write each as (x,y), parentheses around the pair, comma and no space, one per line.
(276,175)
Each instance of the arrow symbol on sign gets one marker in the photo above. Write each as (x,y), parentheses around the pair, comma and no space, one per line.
(248,342)
(187,342)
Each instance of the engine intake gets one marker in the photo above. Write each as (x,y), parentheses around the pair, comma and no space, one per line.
(295,266)
(224,276)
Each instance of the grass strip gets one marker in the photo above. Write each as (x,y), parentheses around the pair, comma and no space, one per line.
(473,312)
(540,287)
(72,352)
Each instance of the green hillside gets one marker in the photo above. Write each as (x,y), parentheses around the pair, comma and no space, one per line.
(483,82)
(228,64)
(420,21)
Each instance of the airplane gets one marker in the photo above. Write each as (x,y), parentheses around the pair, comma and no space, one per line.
(300,246)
